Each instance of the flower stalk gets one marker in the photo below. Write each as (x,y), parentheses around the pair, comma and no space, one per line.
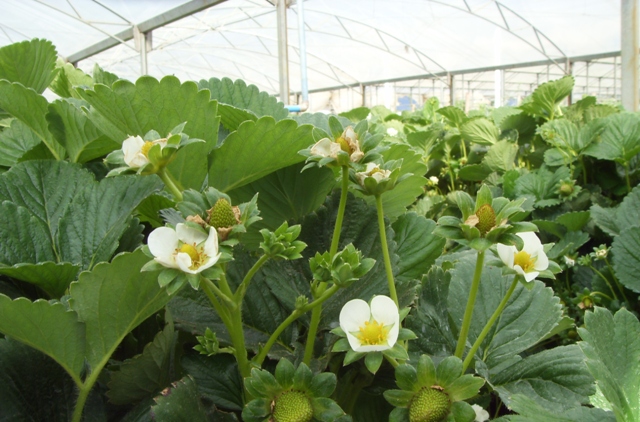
(385,251)
(466,321)
(485,331)
(167,178)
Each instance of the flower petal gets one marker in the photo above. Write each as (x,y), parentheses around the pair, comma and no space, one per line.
(385,311)
(162,243)
(131,147)
(542,262)
(323,148)
(184,262)
(352,316)
(519,270)
(190,235)
(532,244)
(531,276)
(372,348)
(507,254)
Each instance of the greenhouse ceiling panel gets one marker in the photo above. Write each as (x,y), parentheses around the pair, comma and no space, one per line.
(348,43)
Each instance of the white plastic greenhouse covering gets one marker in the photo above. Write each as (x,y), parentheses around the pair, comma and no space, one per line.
(396,53)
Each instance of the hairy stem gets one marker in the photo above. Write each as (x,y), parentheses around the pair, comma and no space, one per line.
(169,183)
(242,289)
(468,312)
(385,251)
(615,280)
(606,280)
(489,324)
(291,318)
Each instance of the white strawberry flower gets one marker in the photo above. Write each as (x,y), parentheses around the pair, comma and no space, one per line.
(185,248)
(372,170)
(136,150)
(325,147)
(528,262)
(370,328)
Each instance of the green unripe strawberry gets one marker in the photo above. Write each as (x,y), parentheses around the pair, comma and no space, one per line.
(429,405)
(566,188)
(222,215)
(292,406)
(486,219)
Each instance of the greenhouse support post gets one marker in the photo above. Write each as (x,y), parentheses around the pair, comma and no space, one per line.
(283,56)
(629,53)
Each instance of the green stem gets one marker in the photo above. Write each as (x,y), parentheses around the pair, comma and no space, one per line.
(236,333)
(170,184)
(489,324)
(468,312)
(294,315)
(82,398)
(584,171)
(335,240)
(615,280)
(596,293)
(606,280)
(391,360)
(385,251)
(464,148)
(242,289)
(210,289)
(626,176)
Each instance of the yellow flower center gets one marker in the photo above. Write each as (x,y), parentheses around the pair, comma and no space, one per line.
(146,147)
(373,333)
(197,255)
(525,261)
(344,145)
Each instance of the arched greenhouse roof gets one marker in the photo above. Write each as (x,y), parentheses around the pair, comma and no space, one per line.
(349,44)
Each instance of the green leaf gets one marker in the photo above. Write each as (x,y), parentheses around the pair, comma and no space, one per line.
(501,156)
(404,194)
(180,403)
(356,114)
(611,344)
(244,99)
(30,63)
(24,238)
(30,108)
(543,185)
(47,327)
(474,172)
(67,78)
(15,142)
(614,220)
(546,98)
(562,134)
(284,195)
(531,411)
(217,378)
(257,149)
(91,228)
(618,140)
(626,257)
(112,300)
(53,278)
(430,318)
(126,110)
(146,374)
(574,221)
(481,131)
(417,245)
(454,115)
(321,123)
(79,136)
(33,387)
(555,378)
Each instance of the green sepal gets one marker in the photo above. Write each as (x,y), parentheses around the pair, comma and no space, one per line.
(464,201)
(323,384)
(194,280)
(166,276)
(396,352)
(469,232)
(256,410)
(213,273)
(484,197)
(449,220)
(403,313)
(373,360)
(464,387)
(342,345)
(285,372)
(399,414)
(426,371)
(176,284)
(267,382)
(325,409)
(339,332)
(152,265)
(407,377)
(352,356)
(302,377)
(254,386)
(399,398)
(448,371)
(406,334)
(462,412)
(480,244)
(511,240)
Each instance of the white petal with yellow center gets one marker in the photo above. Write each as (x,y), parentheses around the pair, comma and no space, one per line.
(529,261)
(132,149)
(325,147)
(372,327)
(185,248)
(162,243)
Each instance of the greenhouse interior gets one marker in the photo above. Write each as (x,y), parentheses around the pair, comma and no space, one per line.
(319,210)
